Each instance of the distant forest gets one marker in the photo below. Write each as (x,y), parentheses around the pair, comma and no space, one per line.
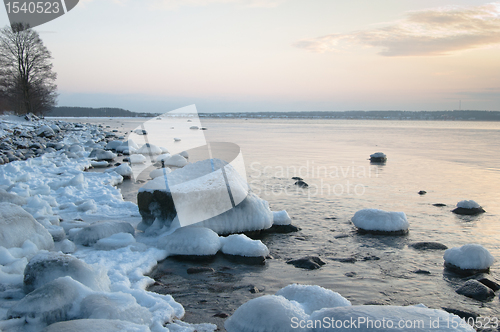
(64,111)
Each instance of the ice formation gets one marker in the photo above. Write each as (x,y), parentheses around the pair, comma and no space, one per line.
(379,220)
(159,172)
(198,241)
(93,233)
(468,204)
(281,218)
(176,160)
(242,245)
(115,241)
(469,257)
(149,149)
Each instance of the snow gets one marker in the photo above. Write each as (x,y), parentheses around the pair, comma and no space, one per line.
(241,245)
(92,233)
(124,170)
(115,241)
(113,145)
(185,154)
(17,226)
(159,172)
(281,218)
(312,298)
(99,163)
(199,241)
(465,204)
(469,257)
(137,159)
(176,160)
(149,149)
(85,325)
(379,220)
(265,313)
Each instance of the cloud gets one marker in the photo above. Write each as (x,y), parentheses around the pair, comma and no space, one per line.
(431,32)
(173,4)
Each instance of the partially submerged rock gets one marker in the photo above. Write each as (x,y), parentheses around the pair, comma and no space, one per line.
(308,262)
(378,157)
(380,222)
(476,290)
(428,246)
(469,208)
(468,259)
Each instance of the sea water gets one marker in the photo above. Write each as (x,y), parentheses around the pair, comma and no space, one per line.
(450,160)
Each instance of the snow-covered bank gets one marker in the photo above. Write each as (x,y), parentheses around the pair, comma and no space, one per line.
(63,200)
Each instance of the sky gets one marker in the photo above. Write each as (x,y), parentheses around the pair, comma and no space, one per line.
(277,55)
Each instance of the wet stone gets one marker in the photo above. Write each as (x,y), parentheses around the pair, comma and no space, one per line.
(476,290)
(308,262)
(200,269)
(428,246)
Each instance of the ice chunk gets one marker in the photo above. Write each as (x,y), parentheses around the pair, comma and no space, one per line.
(11,198)
(99,164)
(242,245)
(149,149)
(370,318)
(281,218)
(176,160)
(112,145)
(185,154)
(379,220)
(163,157)
(469,257)
(51,302)
(312,298)
(124,170)
(266,313)
(91,234)
(115,306)
(47,266)
(159,172)
(115,241)
(17,226)
(137,159)
(190,240)
(86,325)
(66,246)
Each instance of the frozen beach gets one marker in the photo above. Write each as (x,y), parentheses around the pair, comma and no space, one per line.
(450,161)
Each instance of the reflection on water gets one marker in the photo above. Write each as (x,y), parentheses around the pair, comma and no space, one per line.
(451,161)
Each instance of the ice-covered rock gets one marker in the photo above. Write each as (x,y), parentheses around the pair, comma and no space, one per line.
(17,226)
(384,318)
(470,258)
(378,157)
(380,222)
(149,149)
(468,207)
(105,155)
(281,218)
(191,241)
(163,156)
(185,154)
(266,313)
(99,164)
(86,325)
(93,233)
(45,131)
(48,266)
(115,241)
(199,194)
(11,198)
(159,172)
(127,145)
(113,145)
(124,170)
(114,306)
(66,246)
(52,302)
(176,160)
(242,245)
(137,159)
(312,298)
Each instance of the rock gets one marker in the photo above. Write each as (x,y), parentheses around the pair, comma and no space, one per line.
(308,262)
(254,290)
(282,229)
(476,290)
(428,246)
(378,157)
(45,131)
(439,204)
(248,260)
(221,315)
(468,207)
(345,260)
(490,284)
(422,192)
(461,313)
(421,272)
(297,178)
(117,305)
(371,258)
(93,233)
(301,184)
(45,267)
(350,274)
(17,226)
(200,269)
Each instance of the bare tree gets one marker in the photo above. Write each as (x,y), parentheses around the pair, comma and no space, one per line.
(27,81)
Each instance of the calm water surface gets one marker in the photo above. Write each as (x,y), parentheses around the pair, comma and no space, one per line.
(451,161)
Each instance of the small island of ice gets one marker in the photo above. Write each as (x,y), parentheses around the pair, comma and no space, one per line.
(381,222)
(472,257)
